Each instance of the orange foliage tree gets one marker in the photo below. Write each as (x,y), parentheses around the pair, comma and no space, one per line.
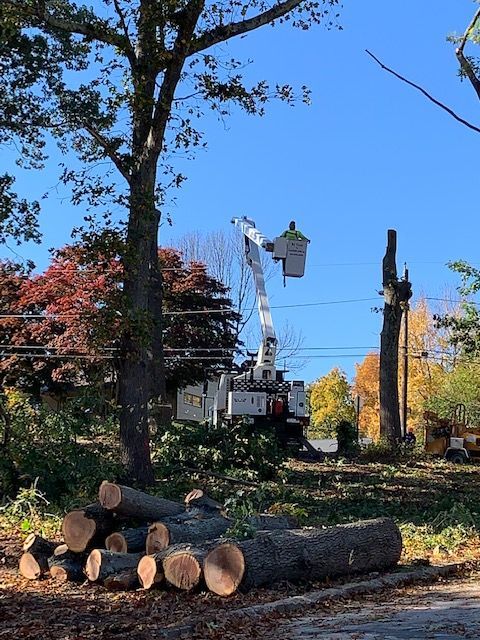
(426,372)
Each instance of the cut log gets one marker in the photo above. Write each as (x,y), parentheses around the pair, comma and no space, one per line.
(66,566)
(102,563)
(127,541)
(197,499)
(163,534)
(136,504)
(84,528)
(122,581)
(150,570)
(183,566)
(303,554)
(194,531)
(34,562)
(36,544)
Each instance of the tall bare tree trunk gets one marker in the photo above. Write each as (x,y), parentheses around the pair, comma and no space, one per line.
(396,294)
(137,361)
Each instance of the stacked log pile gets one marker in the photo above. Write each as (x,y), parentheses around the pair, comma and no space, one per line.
(130,539)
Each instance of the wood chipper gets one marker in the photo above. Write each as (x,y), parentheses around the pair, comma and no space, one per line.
(452,438)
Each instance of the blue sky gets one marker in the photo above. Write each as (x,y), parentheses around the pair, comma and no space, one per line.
(368,155)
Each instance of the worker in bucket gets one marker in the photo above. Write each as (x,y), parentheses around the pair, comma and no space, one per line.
(293,234)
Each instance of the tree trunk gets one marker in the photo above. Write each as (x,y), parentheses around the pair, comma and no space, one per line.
(301,554)
(102,563)
(86,527)
(150,570)
(127,541)
(163,534)
(183,565)
(198,499)
(139,335)
(129,502)
(66,566)
(34,561)
(396,294)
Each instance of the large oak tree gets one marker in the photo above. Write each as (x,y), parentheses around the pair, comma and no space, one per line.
(125,81)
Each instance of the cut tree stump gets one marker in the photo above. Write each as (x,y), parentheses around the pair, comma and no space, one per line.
(66,566)
(34,561)
(122,581)
(84,528)
(195,531)
(128,540)
(136,504)
(303,554)
(102,563)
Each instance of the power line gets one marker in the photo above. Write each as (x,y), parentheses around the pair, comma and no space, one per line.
(38,316)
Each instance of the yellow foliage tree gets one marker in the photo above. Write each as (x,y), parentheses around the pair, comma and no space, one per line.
(330,401)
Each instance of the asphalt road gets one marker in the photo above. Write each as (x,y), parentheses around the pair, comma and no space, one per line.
(444,611)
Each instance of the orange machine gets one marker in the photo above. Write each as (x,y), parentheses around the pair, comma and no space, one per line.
(452,438)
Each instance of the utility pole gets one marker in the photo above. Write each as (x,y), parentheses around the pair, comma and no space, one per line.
(404,394)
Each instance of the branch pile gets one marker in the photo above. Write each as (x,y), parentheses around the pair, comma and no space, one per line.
(129,539)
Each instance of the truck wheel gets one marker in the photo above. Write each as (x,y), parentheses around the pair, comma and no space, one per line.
(458,457)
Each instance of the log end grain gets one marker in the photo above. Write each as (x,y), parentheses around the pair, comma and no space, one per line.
(61,550)
(78,530)
(109,495)
(148,572)
(31,568)
(60,574)
(93,565)
(224,568)
(116,542)
(29,540)
(182,570)
(158,538)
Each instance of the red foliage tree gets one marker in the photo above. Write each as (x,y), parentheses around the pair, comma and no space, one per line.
(76,337)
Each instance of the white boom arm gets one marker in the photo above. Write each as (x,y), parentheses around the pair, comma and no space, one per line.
(265,367)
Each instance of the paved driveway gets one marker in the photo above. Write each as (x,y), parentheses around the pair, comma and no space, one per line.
(445,611)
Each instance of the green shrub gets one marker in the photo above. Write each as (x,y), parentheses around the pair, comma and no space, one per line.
(55,447)
(235,449)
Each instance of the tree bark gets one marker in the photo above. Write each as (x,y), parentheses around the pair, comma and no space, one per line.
(83,528)
(66,566)
(129,502)
(140,273)
(396,294)
(301,554)
(122,581)
(127,541)
(102,563)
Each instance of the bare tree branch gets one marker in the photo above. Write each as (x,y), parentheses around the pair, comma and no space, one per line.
(425,93)
(101,31)
(464,62)
(225,32)
(130,50)
(107,147)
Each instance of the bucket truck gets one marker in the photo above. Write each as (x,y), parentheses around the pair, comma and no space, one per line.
(260,395)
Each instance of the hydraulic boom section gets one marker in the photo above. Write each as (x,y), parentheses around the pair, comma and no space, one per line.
(265,366)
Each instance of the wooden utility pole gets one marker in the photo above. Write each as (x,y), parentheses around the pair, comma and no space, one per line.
(396,294)
(404,394)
